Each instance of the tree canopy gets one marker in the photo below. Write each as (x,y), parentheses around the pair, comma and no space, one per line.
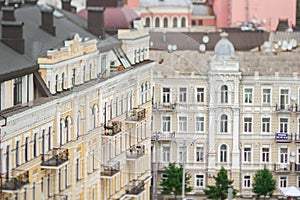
(263,183)
(220,189)
(172,184)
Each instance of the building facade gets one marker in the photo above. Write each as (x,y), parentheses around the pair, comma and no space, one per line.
(75,121)
(233,109)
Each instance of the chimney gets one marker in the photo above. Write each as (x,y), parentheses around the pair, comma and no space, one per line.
(105,3)
(66,5)
(12,35)
(47,19)
(8,13)
(96,21)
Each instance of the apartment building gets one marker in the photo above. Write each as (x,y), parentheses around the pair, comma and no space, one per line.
(75,111)
(225,108)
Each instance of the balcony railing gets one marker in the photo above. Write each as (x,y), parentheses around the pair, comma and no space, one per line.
(110,170)
(282,167)
(58,158)
(285,108)
(283,137)
(15,183)
(135,152)
(112,128)
(164,136)
(137,114)
(135,187)
(166,107)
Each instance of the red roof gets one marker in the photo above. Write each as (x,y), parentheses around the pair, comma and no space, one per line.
(115,18)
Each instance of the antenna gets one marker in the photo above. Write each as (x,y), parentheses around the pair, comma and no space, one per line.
(205,39)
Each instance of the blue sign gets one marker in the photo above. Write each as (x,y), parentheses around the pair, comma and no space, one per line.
(282,136)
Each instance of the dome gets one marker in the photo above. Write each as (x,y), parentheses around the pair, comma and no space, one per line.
(224,47)
(115,17)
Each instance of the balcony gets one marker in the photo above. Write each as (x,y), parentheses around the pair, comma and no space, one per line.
(111,170)
(56,160)
(283,137)
(297,137)
(136,115)
(15,183)
(135,188)
(165,107)
(282,167)
(135,152)
(112,128)
(284,108)
(164,136)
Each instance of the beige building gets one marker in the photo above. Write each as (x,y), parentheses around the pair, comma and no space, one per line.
(77,124)
(224,108)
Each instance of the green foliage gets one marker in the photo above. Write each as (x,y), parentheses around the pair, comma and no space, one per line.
(220,189)
(263,183)
(173,183)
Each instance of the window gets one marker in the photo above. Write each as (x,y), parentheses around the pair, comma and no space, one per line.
(18,91)
(265,154)
(166,124)
(26,149)
(265,125)
(200,124)
(284,98)
(166,154)
(199,154)
(199,178)
(73,77)
(266,98)
(164,176)
(175,22)
(283,155)
(193,22)
(157,22)
(165,22)
(282,181)
(200,22)
(147,22)
(248,95)
(83,73)
(182,95)
(298,181)
(35,147)
(183,22)
(56,83)
(247,154)
(49,138)
(166,95)
(78,169)
(224,94)
(283,125)
(247,181)
(199,95)
(103,64)
(182,154)
(224,124)
(17,161)
(63,81)
(182,124)
(247,124)
(223,153)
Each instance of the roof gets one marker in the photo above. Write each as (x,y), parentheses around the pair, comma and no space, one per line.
(115,18)
(202,10)
(145,3)
(242,41)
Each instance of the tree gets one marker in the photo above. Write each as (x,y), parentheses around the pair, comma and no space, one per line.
(172,184)
(263,183)
(220,189)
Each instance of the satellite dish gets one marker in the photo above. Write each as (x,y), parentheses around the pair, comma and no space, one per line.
(174,47)
(205,39)
(293,42)
(284,46)
(276,46)
(202,47)
(279,43)
(294,97)
(267,46)
(170,47)
(289,46)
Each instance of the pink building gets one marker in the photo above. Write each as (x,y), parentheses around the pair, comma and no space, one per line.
(233,13)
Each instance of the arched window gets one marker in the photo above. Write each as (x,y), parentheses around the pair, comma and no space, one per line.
(223,153)
(224,124)
(147,22)
(83,74)
(157,22)
(68,128)
(94,116)
(183,22)
(175,22)
(63,81)
(61,132)
(224,94)
(165,22)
